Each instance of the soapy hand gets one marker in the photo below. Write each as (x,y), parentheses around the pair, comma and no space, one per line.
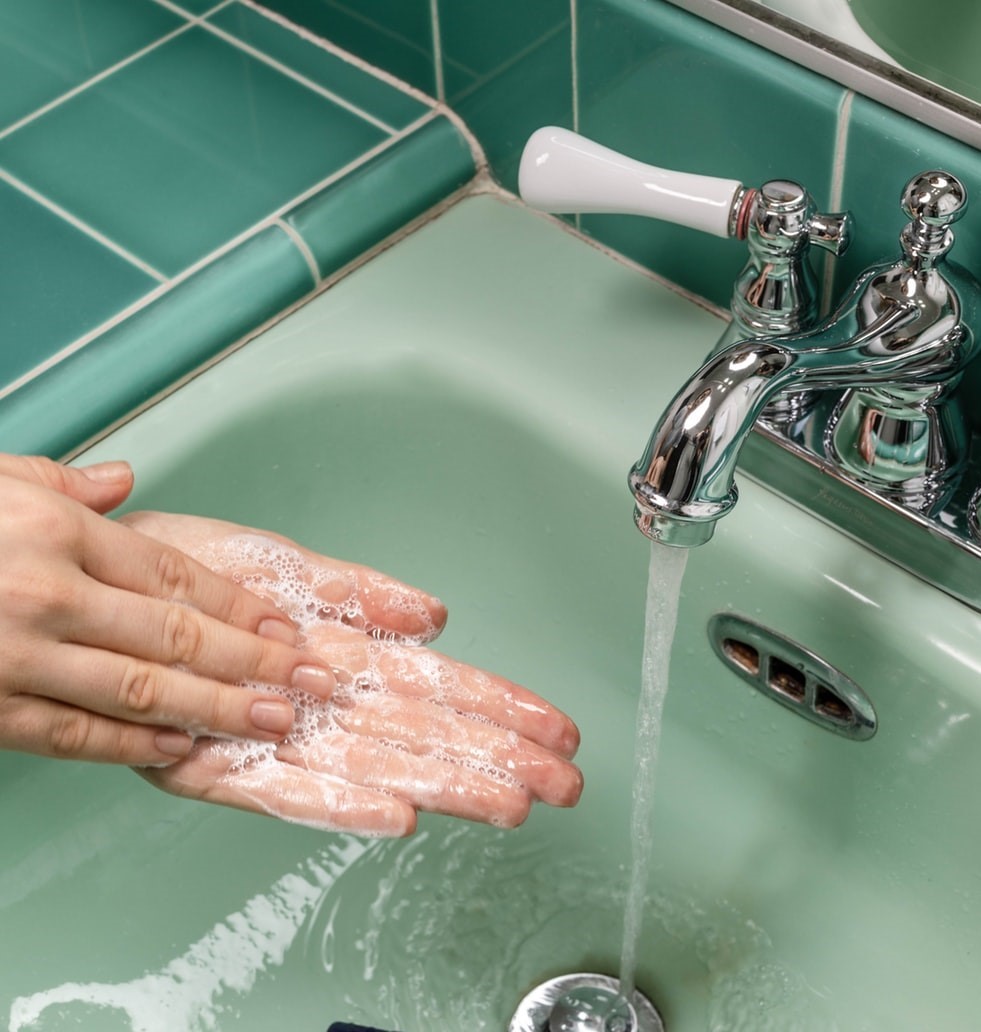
(119,648)
(406,728)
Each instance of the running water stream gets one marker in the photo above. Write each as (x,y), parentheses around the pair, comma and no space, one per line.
(667,568)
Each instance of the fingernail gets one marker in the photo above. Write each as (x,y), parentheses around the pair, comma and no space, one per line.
(271,716)
(315,680)
(108,472)
(277,630)
(173,743)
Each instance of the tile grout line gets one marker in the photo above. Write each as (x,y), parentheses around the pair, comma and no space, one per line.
(436,107)
(176,8)
(303,247)
(344,55)
(513,60)
(304,195)
(104,74)
(836,195)
(76,345)
(438,77)
(81,225)
(325,284)
(273,219)
(297,77)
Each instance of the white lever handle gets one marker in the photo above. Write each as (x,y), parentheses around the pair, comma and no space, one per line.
(565,173)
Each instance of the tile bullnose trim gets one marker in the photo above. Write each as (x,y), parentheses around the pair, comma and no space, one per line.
(132,363)
(125,368)
(383,195)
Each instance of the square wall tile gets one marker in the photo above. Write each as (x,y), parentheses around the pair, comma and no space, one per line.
(507,70)
(184,149)
(56,283)
(47,47)
(672,90)
(357,86)
(396,35)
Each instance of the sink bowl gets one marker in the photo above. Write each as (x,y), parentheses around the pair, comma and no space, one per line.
(461,412)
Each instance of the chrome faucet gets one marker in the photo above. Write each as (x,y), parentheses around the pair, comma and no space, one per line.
(897,346)
(863,405)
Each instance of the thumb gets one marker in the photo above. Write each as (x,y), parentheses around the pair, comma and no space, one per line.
(100,487)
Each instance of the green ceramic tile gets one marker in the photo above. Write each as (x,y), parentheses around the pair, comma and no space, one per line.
(384,194)
(368,92)
(50,46)
(393,34)
(196,8)
(185,148)
(672,90)
(169,338)
(56,283)
(507,70)
(479,40)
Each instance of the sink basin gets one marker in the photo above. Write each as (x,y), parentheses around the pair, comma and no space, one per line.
(461,413)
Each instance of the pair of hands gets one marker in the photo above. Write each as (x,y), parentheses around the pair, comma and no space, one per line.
(278,681)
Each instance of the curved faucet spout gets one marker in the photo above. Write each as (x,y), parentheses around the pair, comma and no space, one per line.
(899,327)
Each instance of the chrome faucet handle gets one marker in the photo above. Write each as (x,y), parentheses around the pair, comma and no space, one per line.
(565,173)
(786,218)
(776,293)
(933,201)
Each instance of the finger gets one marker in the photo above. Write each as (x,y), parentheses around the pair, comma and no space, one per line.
(424,674)
(124,558)
(311,584)
(316,588)
(378,604)
(422,781)
(286,792)
(100,487)
(137,691)
(424,729)
(48,728)
(430,675)
(176,635)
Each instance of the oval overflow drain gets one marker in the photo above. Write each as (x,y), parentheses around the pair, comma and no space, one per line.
(793,676)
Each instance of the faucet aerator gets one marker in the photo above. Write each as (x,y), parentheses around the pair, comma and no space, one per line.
(673,530)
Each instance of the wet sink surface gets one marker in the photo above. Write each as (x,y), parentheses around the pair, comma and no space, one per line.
(461,413)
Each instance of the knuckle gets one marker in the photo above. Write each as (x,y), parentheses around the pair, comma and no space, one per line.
(48,472)
(53,521)
(183,636)
(70,733)
(173,575)
(139,689)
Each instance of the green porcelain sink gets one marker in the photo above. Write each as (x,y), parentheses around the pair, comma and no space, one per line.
(461,412)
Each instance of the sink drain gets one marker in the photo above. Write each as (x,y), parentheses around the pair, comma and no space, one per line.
(584,1003)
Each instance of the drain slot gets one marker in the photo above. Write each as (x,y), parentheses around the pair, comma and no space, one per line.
(793,676)
(786,680)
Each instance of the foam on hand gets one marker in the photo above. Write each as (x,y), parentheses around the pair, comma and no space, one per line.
(363,742)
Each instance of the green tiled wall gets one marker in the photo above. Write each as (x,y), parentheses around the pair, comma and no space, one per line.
(668,88)
(396,35)
(143,140)
(170,178)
